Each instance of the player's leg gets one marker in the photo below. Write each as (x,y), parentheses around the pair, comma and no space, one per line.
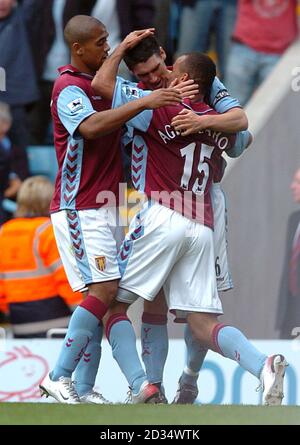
(86,371)
(191,278)
(87,368)
(147,255)
(187,391)
(232,343)
(195,352)
(154,338)
(121,336)
(88,252)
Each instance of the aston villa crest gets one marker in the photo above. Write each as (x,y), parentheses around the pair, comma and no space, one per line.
(100,262)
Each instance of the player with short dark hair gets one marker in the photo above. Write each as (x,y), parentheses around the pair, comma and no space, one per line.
(87,140)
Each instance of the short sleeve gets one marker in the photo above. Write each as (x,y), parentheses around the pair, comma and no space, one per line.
(73,106)
(126,92)
(220,99)
(241,143)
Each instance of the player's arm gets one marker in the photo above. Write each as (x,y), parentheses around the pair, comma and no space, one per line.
(189,122)
(242,141)
(232,144)
(80,119)
(105,78)
(231,119)
(105,122)
(104,81)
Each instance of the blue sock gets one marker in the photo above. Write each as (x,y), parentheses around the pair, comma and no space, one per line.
(80,331)
(86,371)
(123,343)
(195,355)
(234,345)
(155,345)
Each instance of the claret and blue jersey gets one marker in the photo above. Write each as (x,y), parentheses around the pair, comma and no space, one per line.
(163,161)
(85,167)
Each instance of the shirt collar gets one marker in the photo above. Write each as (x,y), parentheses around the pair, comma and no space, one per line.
(71,69)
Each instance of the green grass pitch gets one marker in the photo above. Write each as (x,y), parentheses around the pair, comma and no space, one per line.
(56,414)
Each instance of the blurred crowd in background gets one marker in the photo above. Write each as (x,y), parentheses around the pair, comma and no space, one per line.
(246,38)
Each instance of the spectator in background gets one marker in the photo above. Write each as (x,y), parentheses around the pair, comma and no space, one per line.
(198,19)
(13,164)
(263,31)
(162,23)
(33,283)
(45,21)
(5,161)
(16,59)
(288,312)
(134,14)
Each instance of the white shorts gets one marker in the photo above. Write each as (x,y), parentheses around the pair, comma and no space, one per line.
(163,248)
(223,275)
(88,242)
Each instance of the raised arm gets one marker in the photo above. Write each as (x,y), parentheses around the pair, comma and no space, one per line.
(105,79)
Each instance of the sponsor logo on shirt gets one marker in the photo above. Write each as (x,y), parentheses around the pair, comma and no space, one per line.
(131,92)
(75,105)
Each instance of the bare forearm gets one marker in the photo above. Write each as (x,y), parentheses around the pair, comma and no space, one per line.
(104,122)
(105,79)
(232,121)
(107,121)
(189,122)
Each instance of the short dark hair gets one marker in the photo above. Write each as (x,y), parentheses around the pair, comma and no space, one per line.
(202,69)
(142,52)
(79,28)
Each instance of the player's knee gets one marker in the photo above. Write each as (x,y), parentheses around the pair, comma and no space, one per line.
(106,292)
(157,307)
(117,308)
(198,331)
(202,325)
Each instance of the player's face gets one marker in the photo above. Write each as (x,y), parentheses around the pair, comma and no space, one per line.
(95,50)
(295,186)
(6,7)
(153,73)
